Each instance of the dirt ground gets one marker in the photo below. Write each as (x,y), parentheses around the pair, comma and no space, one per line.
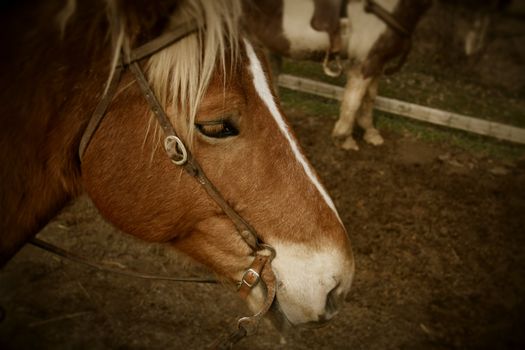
(438,236)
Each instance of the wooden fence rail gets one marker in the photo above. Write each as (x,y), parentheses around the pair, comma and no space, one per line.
(410,110)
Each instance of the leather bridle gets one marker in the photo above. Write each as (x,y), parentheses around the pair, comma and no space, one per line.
(260,268)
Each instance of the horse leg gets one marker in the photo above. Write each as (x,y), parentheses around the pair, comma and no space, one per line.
(355,89)
(476,37)
(365,118)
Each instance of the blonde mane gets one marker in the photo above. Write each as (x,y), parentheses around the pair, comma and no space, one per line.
(180,73)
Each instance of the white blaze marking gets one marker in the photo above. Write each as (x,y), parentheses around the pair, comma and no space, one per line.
(263,89)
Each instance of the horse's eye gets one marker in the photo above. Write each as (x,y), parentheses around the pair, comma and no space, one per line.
(217,129)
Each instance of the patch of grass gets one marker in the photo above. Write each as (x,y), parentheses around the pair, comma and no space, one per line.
(456,96)
(466,141)
(309,104)
(423,85)
(326,108)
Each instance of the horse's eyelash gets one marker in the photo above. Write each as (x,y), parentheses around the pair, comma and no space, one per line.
(218,129)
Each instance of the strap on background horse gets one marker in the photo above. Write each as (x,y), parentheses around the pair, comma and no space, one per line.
(327,18)
(373,7)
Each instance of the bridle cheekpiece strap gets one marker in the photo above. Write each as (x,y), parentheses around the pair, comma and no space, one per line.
(184,158)
(135,55)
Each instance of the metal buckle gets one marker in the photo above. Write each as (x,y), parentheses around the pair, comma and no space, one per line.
(253,273)
(175,148)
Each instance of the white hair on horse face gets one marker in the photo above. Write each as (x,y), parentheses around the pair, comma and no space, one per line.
(307,277)
(263,90)
(305,280)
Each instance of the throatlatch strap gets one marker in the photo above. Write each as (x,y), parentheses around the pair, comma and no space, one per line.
(99,112)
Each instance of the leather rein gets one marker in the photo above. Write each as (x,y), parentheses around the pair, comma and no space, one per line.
(180,155)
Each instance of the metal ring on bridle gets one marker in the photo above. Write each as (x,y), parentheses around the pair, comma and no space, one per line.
(176,149)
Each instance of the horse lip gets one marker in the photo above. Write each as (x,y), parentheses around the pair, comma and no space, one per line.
(283,324)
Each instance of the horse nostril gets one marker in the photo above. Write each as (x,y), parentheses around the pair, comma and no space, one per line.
(332,302)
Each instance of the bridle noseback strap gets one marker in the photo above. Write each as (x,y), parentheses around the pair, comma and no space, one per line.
(180,155)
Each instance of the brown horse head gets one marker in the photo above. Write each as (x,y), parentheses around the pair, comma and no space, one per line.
(216,91)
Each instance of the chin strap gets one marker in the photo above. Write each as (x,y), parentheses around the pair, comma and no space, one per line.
(260,269)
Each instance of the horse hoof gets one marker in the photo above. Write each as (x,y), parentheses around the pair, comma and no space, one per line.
(374,138)
(350,145)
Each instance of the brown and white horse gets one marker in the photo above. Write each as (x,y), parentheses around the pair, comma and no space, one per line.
(55,61)
(369,42)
